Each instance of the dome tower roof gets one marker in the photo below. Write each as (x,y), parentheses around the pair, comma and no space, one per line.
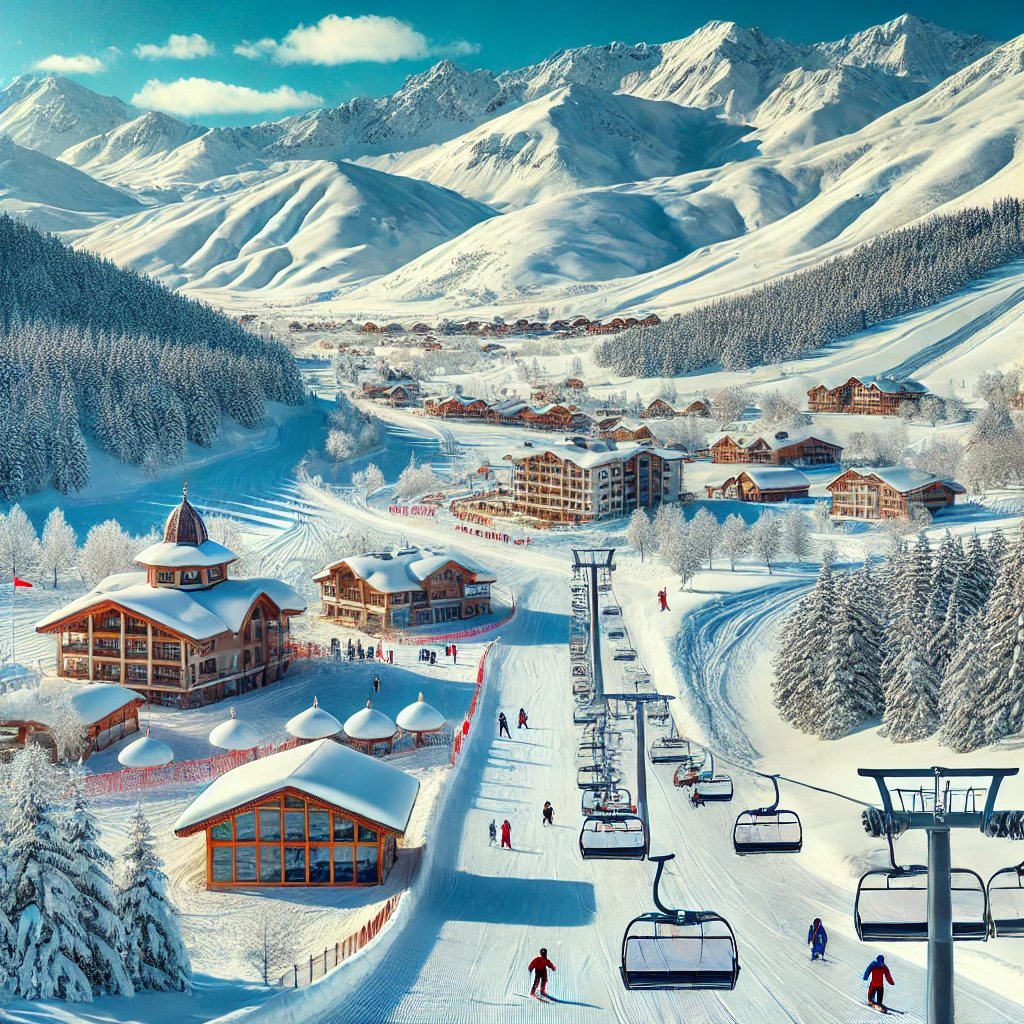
(184,524)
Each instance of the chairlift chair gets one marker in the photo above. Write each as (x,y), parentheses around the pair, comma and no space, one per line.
(604,587)
(768,829)
(586,712)
(677,750)
(612,609)
(580,670)
(707,783)
(604,777)
(624,654)
(1006,903)
(657,712)
(613,837)
(892,904)
(678,949)
(616,634)
(582,688)
(608,801)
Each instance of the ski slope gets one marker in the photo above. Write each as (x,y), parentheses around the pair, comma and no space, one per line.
(478,914)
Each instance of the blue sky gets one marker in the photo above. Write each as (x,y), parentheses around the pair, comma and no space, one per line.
(241,61)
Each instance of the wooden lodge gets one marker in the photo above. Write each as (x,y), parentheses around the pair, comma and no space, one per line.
(767,485)
(627,430)
(317,814)
(869,396)
(404,588)
(555,416)
(400,396)
(779,449)
(586,481)
(659,409)
(107,714)
(887,493)
(180,632)
(455,407)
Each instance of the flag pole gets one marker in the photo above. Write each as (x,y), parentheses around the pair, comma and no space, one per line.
(14,591)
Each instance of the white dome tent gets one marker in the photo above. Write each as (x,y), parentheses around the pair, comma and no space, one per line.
(146,752)
(370,727)
(420,718)
(313,724)
(234,734)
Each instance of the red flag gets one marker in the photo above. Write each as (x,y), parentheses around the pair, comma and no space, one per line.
(21,583)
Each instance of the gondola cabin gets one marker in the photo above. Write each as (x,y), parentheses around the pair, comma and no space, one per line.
(318,814)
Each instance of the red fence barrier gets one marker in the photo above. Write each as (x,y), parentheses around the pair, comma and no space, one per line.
(320,964)
(461,734)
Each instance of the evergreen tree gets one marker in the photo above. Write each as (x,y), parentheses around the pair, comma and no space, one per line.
(91,866)
(963,727)
(154,953)
(912,692)
(40,897)
(976,580)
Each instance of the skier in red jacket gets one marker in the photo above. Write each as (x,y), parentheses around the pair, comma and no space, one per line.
(876,975)
(540,965)
(506,834)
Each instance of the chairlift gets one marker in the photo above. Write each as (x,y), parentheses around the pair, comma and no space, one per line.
(1006,903)
(616,634)
(678,949)
(580,670)
(624,654)
(707,783)
(597,776)
(610,800)
(604,587)
(657,711)
(892,904)
(612,609)
(677,750)
(768,829)
(613,837)
(583,688)
(586,712)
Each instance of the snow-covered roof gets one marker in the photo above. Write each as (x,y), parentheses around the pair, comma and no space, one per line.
(324,770)
(420,717)
(92,701)
(177,556)
(369,724)
(773,442)
(313,724)
(775,478)
(196,614)
(234,734)
(404,569)
(888,385)
(589,458)
(903,478)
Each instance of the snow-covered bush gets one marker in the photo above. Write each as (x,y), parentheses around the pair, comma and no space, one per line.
(340,445)
(415,481)
(107,549)
(734,539)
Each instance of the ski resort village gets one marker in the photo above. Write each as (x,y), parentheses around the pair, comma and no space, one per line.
(500,525)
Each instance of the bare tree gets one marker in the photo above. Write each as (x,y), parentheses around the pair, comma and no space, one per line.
(766,537)
(272,946)
(705,534)
(58,549)
(734,539)
(640,532)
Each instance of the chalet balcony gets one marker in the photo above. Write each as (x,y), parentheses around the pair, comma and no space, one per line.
(166,676)
(75,648)
(106,672)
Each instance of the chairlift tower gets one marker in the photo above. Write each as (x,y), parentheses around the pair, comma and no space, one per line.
(592,560)
(935,809)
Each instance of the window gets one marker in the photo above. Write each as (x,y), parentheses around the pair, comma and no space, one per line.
(295,864)
(367,835)
(270,824)
(245,863)
(270,863)
(221,831)
(245,827)
(320,864)
(295,825)
(216,573)
(319,826)
(343,864)
(366,864)
(190,576)
(222,863)
(344,829)
(165,576)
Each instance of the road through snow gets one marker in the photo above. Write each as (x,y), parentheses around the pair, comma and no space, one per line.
(479,914)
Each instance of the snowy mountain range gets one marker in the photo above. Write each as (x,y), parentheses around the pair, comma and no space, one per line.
(609,165)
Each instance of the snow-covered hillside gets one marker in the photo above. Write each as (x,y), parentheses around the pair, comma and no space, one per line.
(52,196)
(307,224)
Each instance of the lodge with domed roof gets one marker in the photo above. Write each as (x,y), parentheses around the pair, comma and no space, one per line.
(181,632)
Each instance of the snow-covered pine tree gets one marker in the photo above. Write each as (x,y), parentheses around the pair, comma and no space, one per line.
(40,897)
(1001,701)
(154,953)
(950,563)
(91,866)
(58,548)
(705,533)
(639,532)
(963,727)
(912,691)
(978,574)
(734,539)
(949,634)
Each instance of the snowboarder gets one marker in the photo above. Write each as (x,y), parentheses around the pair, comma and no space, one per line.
(817,939)
(548,814)
(506,834)
(876,975)
(696,799)
(663,600)
(540,965)
(522,719)
(376,684)
(503,725)
(492,831)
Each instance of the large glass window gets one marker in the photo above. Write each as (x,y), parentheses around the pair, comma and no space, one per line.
(270,823)
(245,827)
(344,829)
(343,865)
(366,863)
(270,863)
(319,864)
(222,831)
(295,825)
(245,863)
(222,865)
(294,863)
(319,826)
(367,835)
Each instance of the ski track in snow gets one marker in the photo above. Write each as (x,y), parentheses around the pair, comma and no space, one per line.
(481,913)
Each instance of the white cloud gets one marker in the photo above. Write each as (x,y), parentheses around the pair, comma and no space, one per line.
(343,40)
(177,47)
(81,64)
(198,97)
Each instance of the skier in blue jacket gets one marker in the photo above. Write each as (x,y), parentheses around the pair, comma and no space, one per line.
(817,938)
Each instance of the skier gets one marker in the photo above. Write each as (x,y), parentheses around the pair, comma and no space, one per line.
(663,600)
(540,965)
(817,938)
(548,814)
(506,834)
(455,655)
(503,725)
(376,684)
(696,799)
(522,719)
(876,975)
(492,831)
